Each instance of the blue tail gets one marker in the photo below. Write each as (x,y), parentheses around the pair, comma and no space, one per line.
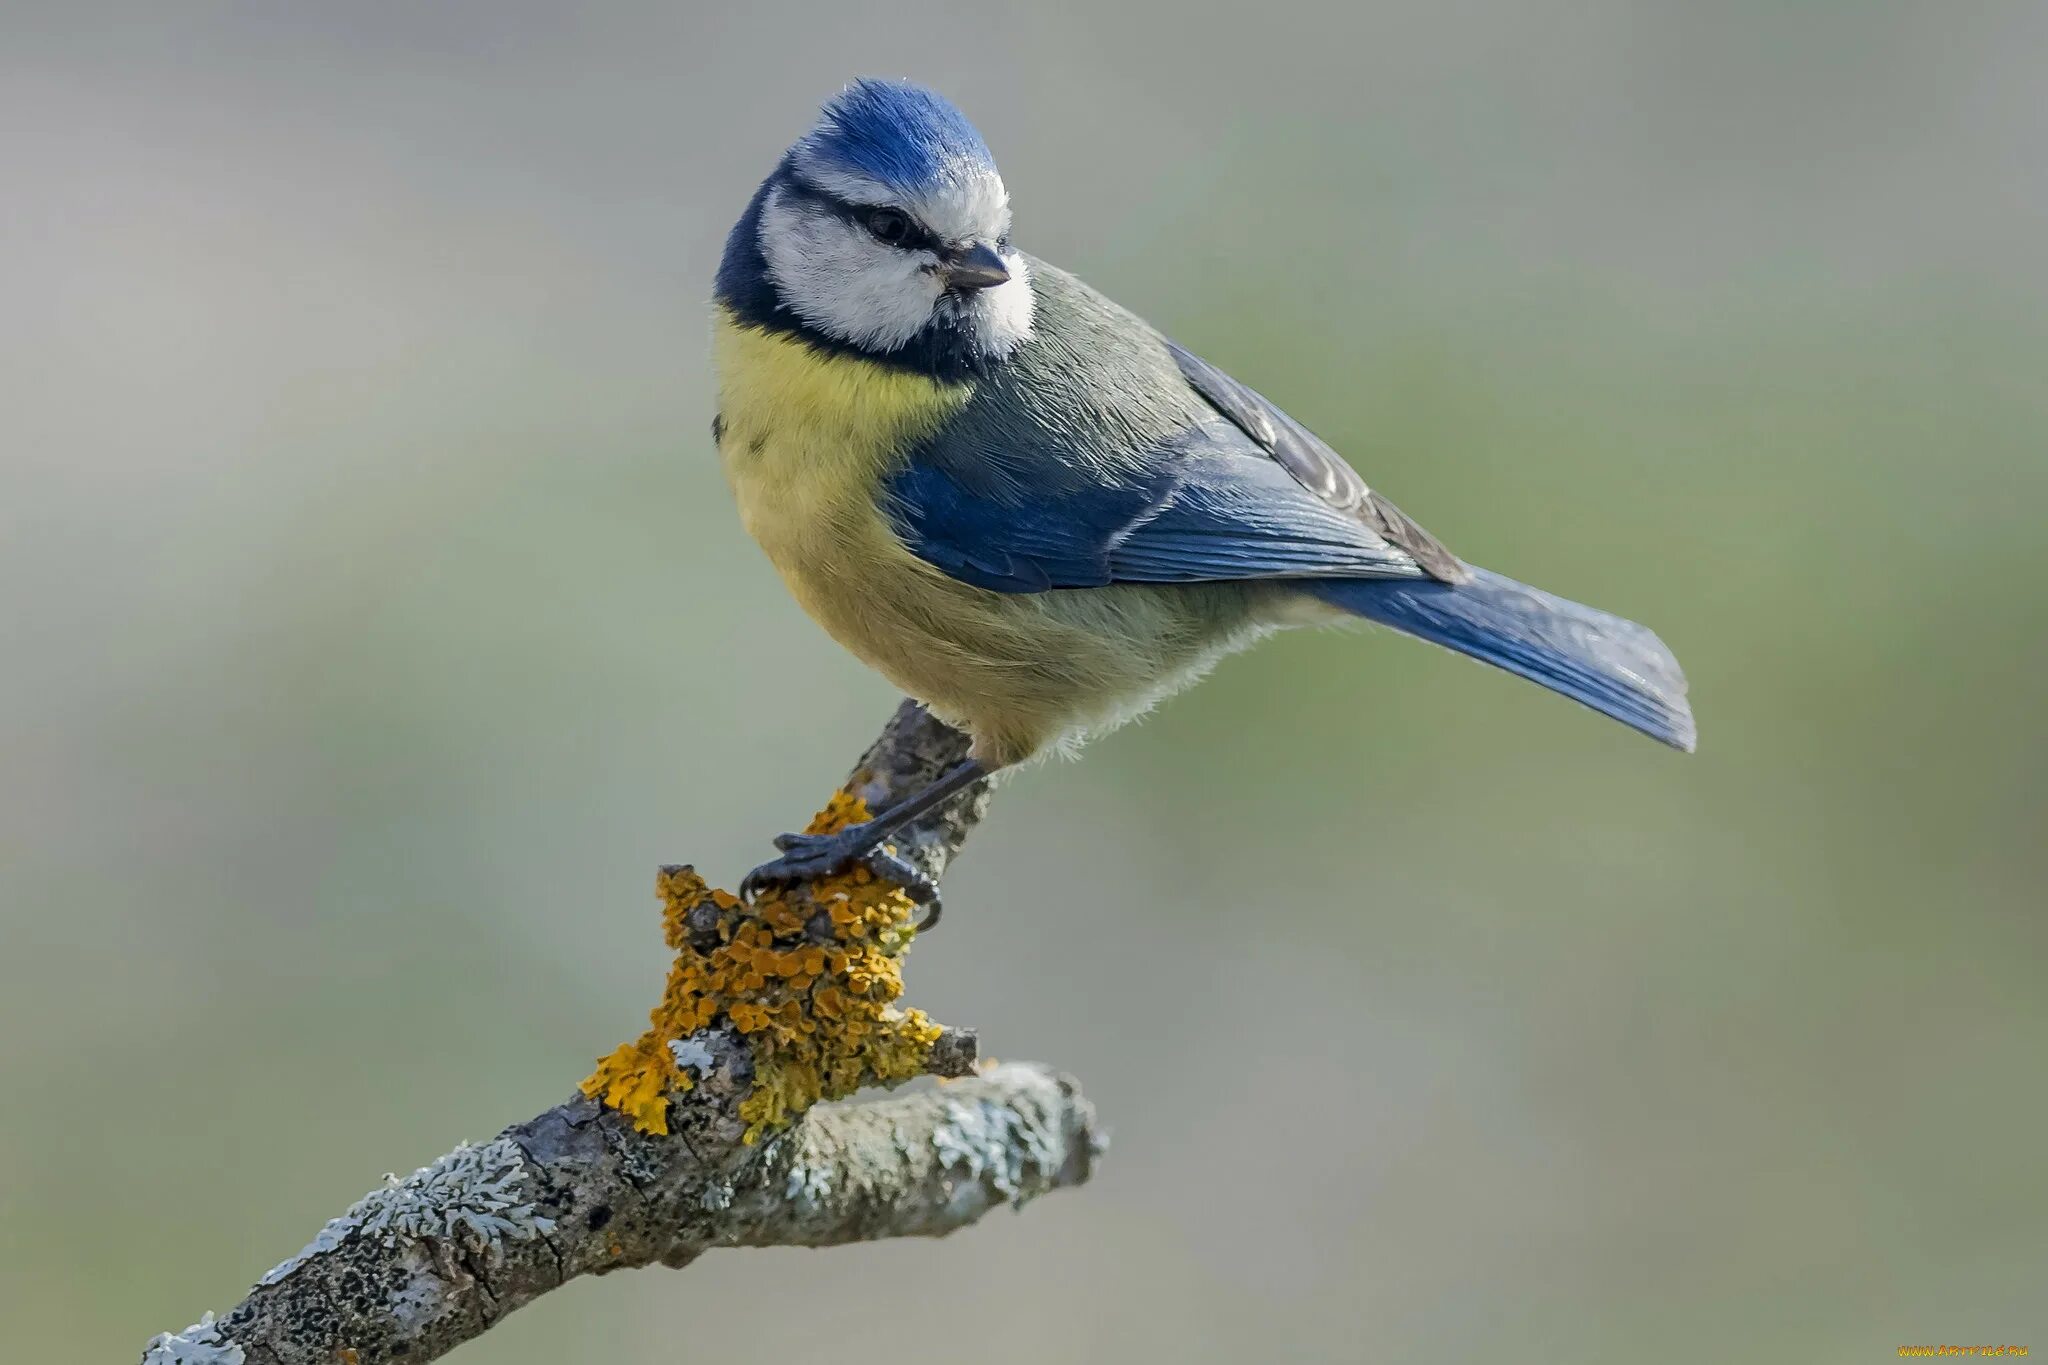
(1614,666)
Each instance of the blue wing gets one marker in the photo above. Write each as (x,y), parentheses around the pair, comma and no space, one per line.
(1207,506)
(1118,457)
(1315,466)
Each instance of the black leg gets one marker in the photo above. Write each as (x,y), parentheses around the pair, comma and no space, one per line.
(805,856)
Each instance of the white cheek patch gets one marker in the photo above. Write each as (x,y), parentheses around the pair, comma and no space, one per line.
(840,280)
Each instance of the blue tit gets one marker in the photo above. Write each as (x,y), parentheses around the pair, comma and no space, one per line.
(1028,509)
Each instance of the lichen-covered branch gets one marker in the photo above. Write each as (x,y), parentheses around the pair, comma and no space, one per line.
(702,1133)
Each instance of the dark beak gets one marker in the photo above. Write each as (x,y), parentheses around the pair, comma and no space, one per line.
(978,267)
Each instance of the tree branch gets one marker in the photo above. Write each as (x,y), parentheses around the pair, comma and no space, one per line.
(701,1135)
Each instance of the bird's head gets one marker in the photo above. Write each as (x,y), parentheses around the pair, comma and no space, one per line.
(885,230)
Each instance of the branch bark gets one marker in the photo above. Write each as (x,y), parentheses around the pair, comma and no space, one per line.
(426,1263)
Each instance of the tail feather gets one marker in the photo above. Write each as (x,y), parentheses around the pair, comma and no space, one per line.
(1617,667)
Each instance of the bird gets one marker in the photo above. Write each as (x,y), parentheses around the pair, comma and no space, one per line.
(1026,507)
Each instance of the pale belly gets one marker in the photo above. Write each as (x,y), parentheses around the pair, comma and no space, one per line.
(1019,671)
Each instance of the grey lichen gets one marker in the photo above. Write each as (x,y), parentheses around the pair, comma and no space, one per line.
(471,1195)
(989,1140)
(809,1182)
(199,1344)
(331,1235)
(693,1055)
(432,1260)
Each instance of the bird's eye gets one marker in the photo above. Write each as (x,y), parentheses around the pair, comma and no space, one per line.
(889,226)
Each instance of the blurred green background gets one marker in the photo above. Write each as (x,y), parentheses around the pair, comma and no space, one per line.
(373,620)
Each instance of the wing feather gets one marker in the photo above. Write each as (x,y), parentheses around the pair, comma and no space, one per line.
(1207,510)
(1315,465)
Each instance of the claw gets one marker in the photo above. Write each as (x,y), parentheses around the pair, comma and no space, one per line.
(892,866)
(804,858)
(807,857)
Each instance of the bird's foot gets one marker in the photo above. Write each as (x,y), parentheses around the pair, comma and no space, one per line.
(808,857)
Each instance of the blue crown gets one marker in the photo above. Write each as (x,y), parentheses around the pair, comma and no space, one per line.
(903,135)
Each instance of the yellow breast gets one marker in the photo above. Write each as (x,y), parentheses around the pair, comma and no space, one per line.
(807,436)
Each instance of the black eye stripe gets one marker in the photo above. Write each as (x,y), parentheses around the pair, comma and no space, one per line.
(918,238)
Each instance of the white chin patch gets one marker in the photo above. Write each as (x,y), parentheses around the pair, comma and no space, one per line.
(839,279)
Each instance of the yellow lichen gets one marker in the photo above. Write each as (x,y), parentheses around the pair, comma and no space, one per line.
(813,993)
